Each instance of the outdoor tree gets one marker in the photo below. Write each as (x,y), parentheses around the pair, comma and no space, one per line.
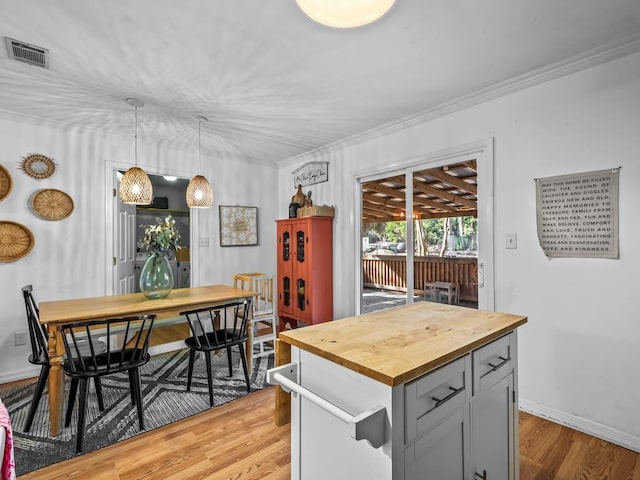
(396,231)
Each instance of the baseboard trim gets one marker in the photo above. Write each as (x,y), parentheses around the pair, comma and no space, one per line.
(167,347)
(31,372)
(20,374)
(595,429)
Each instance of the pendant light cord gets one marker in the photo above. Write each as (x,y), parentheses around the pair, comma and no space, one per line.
(199,162)
(135,136)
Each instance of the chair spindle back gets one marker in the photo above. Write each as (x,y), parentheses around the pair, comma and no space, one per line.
(38,333)
(219,326)
(127,344)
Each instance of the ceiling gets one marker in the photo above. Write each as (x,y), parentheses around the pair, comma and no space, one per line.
(272,83)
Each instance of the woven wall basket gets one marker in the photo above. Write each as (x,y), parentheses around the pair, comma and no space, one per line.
(51,204)
(16,241)
(5,183)
(38,166)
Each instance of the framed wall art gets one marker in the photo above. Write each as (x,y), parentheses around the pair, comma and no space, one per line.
(238,226)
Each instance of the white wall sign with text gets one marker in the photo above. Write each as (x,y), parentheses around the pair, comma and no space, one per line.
(577,214)
(310,174)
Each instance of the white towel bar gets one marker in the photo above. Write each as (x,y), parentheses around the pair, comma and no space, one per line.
(369,425)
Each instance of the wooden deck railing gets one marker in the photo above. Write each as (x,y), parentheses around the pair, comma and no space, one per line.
(390,271)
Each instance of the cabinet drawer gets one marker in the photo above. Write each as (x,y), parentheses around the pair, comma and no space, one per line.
(431,399)
(493,362)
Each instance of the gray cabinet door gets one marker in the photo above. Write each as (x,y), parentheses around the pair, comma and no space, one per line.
(443,452)
(492,432)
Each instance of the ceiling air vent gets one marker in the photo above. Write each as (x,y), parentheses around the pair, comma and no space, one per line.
(24,52)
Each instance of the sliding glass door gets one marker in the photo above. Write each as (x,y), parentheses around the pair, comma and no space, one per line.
(430,254)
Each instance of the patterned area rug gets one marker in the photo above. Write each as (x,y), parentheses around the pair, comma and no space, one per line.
(165,399)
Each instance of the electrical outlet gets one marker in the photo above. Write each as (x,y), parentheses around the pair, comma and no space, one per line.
(20,338)
(204,241)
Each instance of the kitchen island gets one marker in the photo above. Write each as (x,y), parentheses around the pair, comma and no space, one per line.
(421,391)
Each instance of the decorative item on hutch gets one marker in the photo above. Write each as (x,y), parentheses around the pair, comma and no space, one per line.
(135,186)
(299,200)
(156,278)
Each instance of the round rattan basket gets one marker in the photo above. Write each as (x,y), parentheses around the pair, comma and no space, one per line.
(51,204)
(5,183)
(38,166)
(16,241)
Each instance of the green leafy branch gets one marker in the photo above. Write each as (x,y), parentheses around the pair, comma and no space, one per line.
(161,236)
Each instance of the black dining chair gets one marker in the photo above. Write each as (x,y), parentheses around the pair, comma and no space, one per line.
(217,328)
(127,350)
(38,336)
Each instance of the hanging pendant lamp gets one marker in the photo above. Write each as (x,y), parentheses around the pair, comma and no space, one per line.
(135,186)
(199,192)
(345,13)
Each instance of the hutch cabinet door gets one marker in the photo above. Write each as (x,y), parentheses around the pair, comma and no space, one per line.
(285,268)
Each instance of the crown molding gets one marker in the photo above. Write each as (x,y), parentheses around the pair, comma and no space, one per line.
(574,64)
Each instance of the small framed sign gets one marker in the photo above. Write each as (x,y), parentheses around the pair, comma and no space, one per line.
(238,226)
(311,173)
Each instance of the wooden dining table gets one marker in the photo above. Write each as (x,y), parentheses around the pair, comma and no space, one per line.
(54,314)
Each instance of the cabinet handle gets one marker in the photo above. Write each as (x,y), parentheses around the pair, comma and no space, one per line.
(496,367)
(369,425)
(440,401)
(483,476)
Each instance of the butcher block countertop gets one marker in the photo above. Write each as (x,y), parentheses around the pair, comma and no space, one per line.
(397,345)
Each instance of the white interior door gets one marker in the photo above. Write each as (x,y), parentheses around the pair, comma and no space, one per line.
(124,251)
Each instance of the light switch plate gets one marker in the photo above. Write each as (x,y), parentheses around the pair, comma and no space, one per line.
(512,240)
(204,241)
(20,337)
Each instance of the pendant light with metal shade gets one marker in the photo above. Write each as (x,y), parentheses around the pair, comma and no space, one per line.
(199,192)
(135,186)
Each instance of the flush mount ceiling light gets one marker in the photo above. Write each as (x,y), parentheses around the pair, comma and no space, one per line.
(345,13)
(135,186)
(199,192)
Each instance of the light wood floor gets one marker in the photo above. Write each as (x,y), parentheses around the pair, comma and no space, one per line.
(552,451)
(239,441)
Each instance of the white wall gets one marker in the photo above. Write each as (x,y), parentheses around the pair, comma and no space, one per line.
(579,351)
(70,258)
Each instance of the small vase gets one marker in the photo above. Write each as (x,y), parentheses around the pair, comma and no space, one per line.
(156,278)
(299,196)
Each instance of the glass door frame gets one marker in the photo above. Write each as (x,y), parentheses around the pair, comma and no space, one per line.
(482,151)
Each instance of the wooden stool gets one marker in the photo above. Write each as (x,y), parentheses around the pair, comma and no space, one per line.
(263,318)
(244,280)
